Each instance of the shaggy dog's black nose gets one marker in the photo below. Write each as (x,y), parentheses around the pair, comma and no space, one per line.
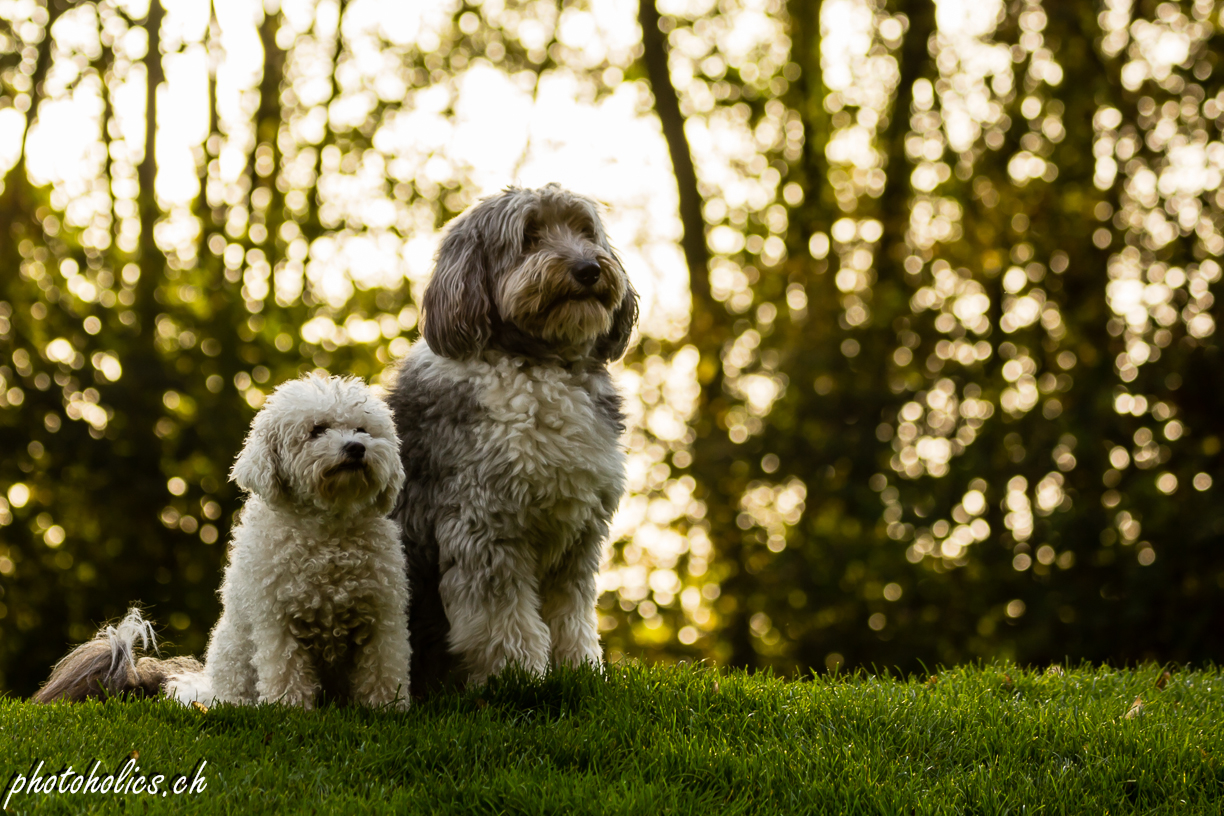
(586,272)
(354,450)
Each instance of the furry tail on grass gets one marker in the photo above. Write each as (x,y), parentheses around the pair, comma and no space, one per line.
(113,665)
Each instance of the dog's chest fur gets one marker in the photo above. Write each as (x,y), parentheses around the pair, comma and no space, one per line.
(547,459)
(329,599)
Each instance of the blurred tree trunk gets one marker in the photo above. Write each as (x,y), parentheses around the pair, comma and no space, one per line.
(828,438)
(709,330)
(667,108)
(148,380)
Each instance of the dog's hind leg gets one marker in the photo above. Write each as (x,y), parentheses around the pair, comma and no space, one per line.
(490,595)
(229,666)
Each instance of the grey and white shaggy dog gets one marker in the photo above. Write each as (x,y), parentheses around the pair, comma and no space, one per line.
(315,594)
(510,432)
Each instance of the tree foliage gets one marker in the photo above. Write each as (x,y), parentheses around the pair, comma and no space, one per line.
(949,385)
(967,404)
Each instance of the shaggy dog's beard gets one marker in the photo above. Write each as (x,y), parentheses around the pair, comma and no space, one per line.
(542,298)
(575,320)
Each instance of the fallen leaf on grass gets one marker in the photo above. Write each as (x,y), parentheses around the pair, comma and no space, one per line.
(200,707)
(1163,681)
(134,755)
(1008,683)
(1057,671)
(932,680)
(1135,710)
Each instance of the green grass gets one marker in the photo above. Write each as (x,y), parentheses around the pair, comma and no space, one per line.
(641,740)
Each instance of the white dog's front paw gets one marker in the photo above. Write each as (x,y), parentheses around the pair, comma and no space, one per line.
(394,694)
(398,702)
(299,698)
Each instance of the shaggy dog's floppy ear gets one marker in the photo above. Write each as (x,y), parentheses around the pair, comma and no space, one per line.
(258,467)
(611,346)
(456,321)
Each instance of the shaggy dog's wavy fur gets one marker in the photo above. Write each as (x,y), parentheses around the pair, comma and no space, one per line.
(315,594)
(509,432)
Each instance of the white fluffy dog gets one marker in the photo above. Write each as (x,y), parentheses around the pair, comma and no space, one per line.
(315,596)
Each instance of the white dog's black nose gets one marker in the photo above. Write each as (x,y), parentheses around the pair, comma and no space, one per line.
(354,450)
(586,272)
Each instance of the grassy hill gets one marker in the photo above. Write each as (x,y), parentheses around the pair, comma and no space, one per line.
(644,740)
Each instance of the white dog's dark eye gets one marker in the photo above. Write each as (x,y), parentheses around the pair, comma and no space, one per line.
(316,430)
(362,430)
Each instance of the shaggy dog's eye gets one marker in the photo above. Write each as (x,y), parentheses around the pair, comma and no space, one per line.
(362,430)
(531,237)
(316,430)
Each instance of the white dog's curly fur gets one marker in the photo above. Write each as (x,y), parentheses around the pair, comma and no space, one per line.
(315,595)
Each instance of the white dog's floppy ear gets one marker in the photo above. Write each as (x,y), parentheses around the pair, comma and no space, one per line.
(258,466)
(611,346)
(457,321)
(385,502)
(387,497)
